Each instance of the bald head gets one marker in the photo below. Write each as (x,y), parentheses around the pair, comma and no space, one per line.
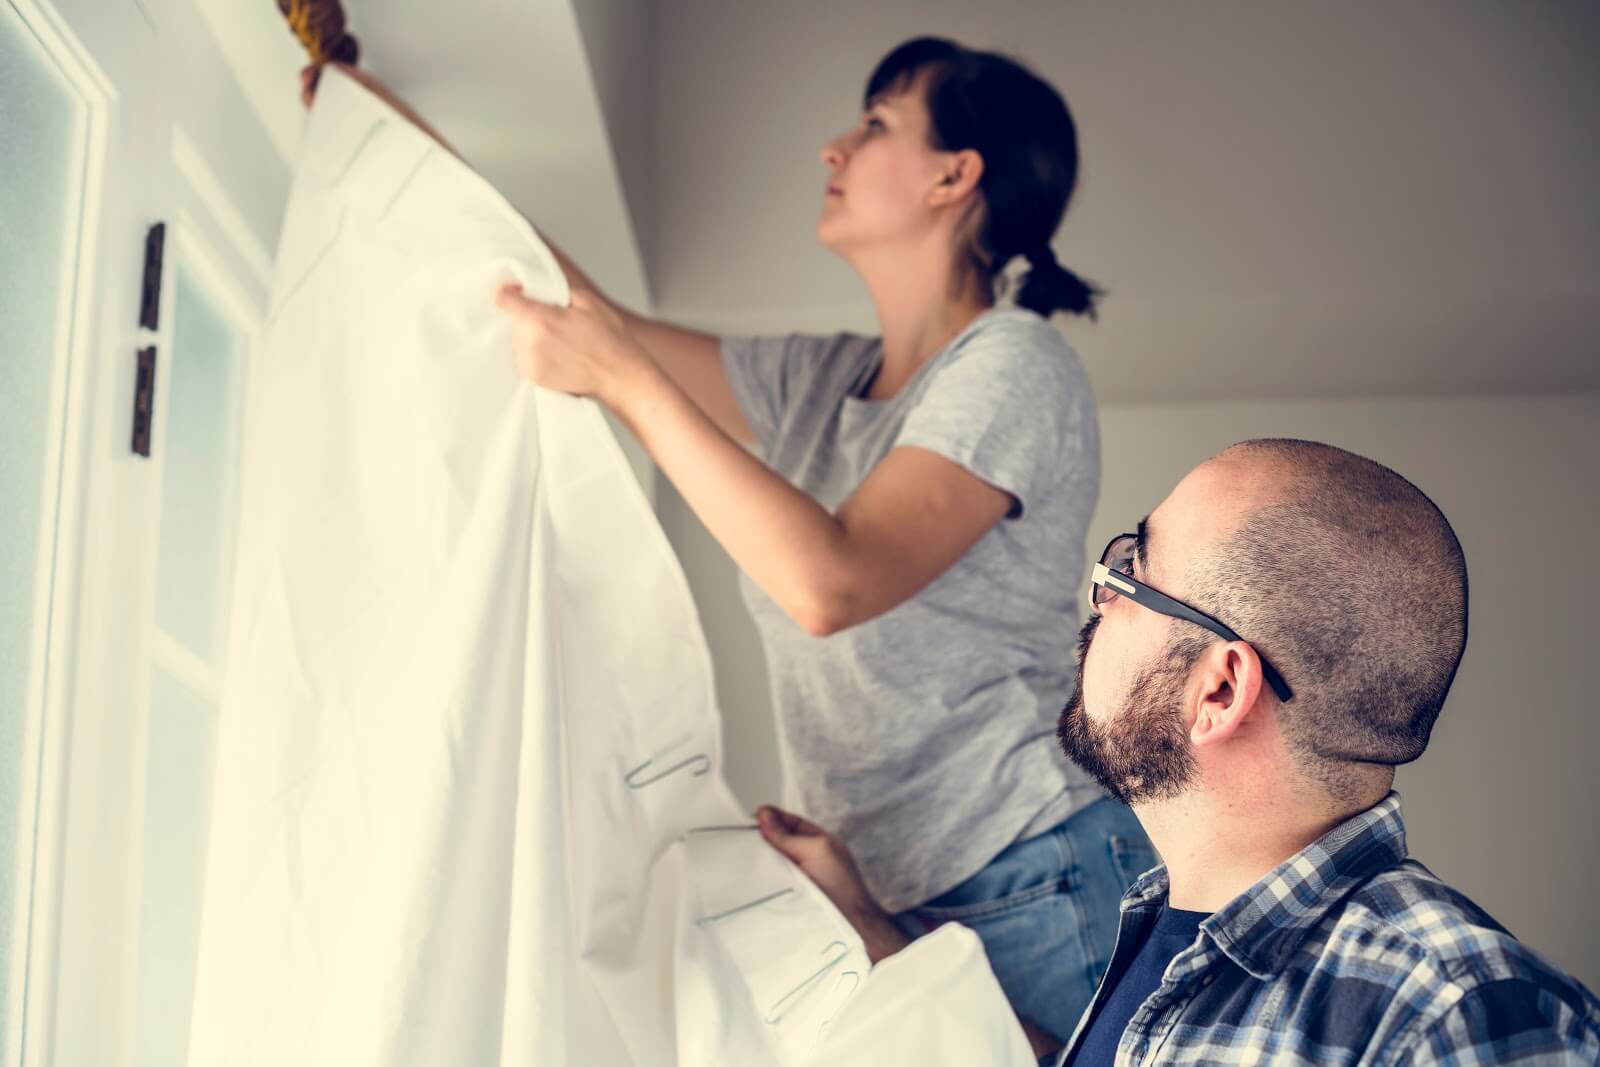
(1346,577)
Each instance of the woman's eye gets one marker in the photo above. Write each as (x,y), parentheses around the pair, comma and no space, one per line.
(873,125)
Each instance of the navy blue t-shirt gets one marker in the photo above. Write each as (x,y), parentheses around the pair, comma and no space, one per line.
(1173,932)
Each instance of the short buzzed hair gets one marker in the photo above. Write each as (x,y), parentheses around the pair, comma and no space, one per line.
(1351,582)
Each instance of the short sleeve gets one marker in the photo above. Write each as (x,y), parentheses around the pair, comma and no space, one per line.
(1013,406)
(764,373)
(800,375)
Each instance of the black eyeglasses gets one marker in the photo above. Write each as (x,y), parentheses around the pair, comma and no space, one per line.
(1113,577)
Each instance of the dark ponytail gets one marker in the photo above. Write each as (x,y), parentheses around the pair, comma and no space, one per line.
(1021,127)
(1050,287)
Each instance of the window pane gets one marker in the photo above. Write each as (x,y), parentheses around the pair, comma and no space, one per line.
(198,460)
(42,132)
(177,812)
(197,456)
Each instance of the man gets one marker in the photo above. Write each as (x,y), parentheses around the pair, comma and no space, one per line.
(1277,636)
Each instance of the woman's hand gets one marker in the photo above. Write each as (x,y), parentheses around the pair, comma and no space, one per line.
(583,349)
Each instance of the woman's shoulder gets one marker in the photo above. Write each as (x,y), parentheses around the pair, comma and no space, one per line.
(1016,339)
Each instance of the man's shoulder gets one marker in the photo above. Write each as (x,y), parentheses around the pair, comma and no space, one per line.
(1407,937)
(1408,908)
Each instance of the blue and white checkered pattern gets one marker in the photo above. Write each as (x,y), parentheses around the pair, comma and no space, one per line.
(1350,953)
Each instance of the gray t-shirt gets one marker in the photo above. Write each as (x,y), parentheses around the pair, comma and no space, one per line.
(925,738)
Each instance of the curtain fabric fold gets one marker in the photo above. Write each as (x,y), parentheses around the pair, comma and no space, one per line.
(469,758)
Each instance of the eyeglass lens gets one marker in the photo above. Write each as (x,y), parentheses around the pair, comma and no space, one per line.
(1118,556)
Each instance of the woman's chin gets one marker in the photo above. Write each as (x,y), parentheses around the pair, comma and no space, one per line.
(831,235)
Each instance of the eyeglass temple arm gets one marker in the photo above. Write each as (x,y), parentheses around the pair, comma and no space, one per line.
(1161,602)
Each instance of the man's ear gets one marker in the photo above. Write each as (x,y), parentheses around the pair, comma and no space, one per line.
(1228,676)
(960,177)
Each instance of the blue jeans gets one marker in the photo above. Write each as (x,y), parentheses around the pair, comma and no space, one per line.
(1046,910)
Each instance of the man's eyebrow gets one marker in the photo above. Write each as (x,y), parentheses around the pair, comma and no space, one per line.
(1141,543)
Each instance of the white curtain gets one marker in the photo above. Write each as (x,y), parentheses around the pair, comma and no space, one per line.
(469,777)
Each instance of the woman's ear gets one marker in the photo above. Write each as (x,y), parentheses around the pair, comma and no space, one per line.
(959,179)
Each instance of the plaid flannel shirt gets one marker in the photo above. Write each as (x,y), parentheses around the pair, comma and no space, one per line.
(1350,953)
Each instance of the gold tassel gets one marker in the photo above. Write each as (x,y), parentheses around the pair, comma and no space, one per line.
(320,26)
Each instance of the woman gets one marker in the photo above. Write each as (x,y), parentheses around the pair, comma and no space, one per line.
(911,539)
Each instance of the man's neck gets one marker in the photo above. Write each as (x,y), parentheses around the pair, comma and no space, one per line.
(1215,848)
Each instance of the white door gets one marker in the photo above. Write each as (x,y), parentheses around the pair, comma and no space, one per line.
(116,116)
(47,109)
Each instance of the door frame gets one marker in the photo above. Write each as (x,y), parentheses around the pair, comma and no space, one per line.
(161,104)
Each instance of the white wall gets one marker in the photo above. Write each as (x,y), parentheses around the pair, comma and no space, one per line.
(618,38)
(1501,804)
(1335,177)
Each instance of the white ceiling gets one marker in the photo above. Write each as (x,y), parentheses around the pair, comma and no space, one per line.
(1282,200)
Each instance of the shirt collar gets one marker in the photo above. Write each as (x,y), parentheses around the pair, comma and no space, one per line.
(1261,927)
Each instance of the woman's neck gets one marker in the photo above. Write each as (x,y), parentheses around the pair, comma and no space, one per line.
(917,313)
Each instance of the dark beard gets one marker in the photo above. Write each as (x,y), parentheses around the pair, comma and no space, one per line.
(1143,752)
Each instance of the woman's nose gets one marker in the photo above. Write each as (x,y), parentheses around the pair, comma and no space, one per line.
(833,155)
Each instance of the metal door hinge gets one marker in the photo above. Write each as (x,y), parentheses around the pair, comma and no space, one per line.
(150,293)
(144,397)
(144,389)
